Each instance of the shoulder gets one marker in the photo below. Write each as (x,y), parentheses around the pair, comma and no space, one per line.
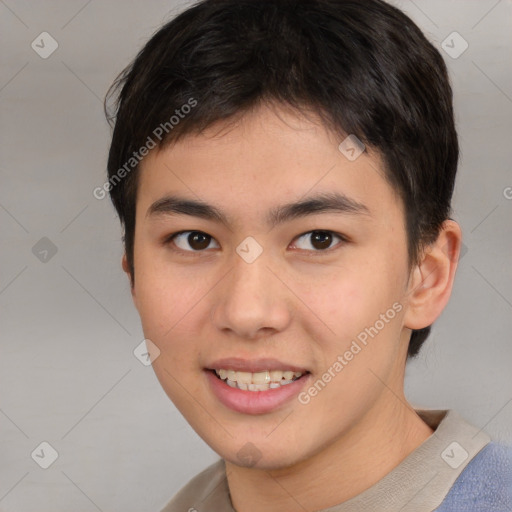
(205,484)
(485,485)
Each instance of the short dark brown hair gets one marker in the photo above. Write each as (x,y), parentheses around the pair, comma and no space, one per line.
(362,65)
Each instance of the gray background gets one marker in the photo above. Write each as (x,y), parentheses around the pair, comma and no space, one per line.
(68,375)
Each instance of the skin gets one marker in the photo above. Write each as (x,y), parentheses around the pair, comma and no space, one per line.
(292,303)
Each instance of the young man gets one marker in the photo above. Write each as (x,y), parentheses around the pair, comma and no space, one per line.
(283,171)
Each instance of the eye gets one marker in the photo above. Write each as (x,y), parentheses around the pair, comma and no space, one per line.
(198,241)
(320,240)
(195,239)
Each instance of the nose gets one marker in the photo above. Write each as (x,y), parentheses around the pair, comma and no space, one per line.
(251,302)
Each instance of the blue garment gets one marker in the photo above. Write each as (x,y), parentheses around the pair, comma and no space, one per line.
(485,485)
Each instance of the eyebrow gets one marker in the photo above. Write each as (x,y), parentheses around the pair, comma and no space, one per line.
(320,203)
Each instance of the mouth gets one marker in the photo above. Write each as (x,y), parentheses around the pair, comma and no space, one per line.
(261,392)
(257,385)
(257,381)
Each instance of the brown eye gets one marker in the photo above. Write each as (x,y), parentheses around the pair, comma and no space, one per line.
(321,239)
(191,241)
(318,240)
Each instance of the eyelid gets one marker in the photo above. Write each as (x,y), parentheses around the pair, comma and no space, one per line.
(169,240)
(343,239)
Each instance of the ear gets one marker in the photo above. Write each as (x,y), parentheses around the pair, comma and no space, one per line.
(126,268)
(431,281)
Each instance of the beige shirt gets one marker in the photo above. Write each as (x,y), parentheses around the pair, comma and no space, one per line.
(418,484)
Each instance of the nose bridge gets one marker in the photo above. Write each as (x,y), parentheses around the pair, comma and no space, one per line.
(250,299)
(250,280)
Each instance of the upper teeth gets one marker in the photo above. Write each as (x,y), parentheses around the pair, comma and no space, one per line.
(258,377)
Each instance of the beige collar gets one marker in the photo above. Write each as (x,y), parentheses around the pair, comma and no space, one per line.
(418,484)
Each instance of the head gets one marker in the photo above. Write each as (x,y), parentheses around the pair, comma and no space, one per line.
(242,105)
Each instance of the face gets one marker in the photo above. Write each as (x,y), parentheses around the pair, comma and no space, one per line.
(249,280)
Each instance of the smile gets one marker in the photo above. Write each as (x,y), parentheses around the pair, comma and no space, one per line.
(258,381)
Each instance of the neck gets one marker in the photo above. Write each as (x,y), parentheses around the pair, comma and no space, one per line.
(383,438)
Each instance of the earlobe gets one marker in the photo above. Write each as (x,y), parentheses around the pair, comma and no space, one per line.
(124,264)
(126,268)
(432,279)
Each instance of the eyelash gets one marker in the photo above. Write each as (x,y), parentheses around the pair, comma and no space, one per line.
(168,241)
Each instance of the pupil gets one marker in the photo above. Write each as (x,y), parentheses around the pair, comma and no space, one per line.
(198,240)
(321,239)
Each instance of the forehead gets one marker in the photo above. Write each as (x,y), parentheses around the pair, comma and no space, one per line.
(266,158)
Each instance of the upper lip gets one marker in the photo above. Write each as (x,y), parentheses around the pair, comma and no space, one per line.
(253,365)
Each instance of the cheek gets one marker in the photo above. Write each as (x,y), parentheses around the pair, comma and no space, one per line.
(346,301)
(351,304)
(169,312)
(167,301)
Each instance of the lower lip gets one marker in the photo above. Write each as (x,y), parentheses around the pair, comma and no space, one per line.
(254,402)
